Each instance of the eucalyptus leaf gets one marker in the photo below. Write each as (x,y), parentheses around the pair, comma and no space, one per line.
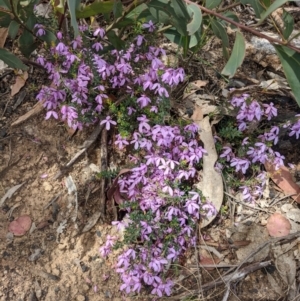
(276,4)
(49,37)
(117,9)
(164,13)
(290,61)
(288,24)
(13,29)
(5,19)
(115,40)
(258,8)
(180,10)
(5,4)
(73,6)
(11,60)
(94,9)
(210,4)
(237,56)
(26,43)
(231,15)
(174,36)
(196,18)
(220,31)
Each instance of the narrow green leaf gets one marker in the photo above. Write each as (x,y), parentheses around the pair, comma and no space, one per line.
(11,60)
(115,40)
(220,31)
(276,4)
(290,61)
(164,13)
(231,15)
(195,39)
(237,56)
(141,12)
(180,10)
(117,9)
(73,6)
(288,24)
(49,37)
(13,29)
(174,36)
(196,18)
(258,8)
(26,43)
(210,4)
(5,19)
(95,9)
(5,4)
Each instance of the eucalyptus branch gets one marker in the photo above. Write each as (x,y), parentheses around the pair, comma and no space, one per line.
(18,20)
(129,8)
(245,28)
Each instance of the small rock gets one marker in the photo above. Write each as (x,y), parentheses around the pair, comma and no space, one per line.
(80,298)
(47,186)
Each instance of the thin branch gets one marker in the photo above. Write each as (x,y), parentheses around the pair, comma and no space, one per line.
(245,28)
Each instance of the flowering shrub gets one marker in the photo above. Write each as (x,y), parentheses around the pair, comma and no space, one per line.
(162,208)
(256,148)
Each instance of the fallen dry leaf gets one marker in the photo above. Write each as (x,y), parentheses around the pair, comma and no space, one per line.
(20,226)
(211,184)
(34,111)
(20,82)
(283,178)
(10,193)
(278,225)
(3,36)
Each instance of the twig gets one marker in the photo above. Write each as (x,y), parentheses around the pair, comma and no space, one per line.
(86,145)
(103,167)
(243,204)
(245,28)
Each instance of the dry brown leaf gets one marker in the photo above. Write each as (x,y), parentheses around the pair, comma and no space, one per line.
(3,36)
(197,114)
(283,178)
(278,225)
(20,82)
(35,110)
(211,184)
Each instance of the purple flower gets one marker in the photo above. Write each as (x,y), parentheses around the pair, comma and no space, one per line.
(99,32)
(143,101)
(144,127)
(270,110)
(40,30)
(121,142)
(108,122)
(150,26)
(227,153)
(240,164)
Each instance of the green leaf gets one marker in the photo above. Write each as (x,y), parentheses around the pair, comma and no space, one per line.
(174,36)
(95,8)
(231,15)
(163,12)
(196,18)
(13,29)
(180,10)
(11,60)
(117,9)
(5,4)
(195,39)
(276,4)
(49,37)
(115,40)
(258,8)
(5,19)
(237,56)
(210,4)
(288,24)
(290,61)
(141,12)
(26,43)
(220,31)
(73,6)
